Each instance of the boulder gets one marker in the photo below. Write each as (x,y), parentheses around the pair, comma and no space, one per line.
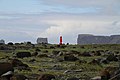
(55,52)
(45,51)
(33,76)
(35,53)
(52,47)
(6,71)
(112,57)
(23,67)
(60,59)
(46,77)
(23,54)
(117,52)
(97,53)
(86,54)
(72,71)
(57,67)
(82,47)
(96,78)
(73,78)
(37,50)
(82,61)
(42,55)
(61,46)
(104,61)
(105,75)
(108,72)
(60,54)
(15,62)
(41,70)
(5,67)
(95,61)
(74,52)
(18,77)
(7,75)
(19,65)
(3,78)
(32,60)
(70,58)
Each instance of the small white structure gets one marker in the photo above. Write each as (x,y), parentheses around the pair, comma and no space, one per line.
(42,41)
(2,41)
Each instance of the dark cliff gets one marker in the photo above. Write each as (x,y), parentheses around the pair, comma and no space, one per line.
(91,39)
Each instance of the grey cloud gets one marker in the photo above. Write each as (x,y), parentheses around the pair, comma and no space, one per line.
(81,2)
(116,23)
(109,7)
(15,36)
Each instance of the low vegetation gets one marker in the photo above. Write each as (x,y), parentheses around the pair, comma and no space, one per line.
(63,61)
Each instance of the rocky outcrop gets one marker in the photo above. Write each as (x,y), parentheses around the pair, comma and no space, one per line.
(18,77)
(6,70)
(23,54)
(91,39)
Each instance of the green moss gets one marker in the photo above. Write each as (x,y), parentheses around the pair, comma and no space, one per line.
(46,64)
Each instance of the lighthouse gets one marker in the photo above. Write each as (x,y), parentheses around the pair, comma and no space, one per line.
(60,40)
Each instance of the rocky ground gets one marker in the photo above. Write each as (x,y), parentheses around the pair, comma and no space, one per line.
(59,62)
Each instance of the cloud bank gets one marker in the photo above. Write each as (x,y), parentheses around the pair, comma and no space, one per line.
(53,27)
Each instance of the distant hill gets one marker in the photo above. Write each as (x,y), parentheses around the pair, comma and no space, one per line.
(92,39)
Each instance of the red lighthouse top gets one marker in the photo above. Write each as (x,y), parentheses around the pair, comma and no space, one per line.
(60,40)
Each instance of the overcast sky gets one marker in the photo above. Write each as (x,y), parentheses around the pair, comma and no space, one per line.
(26,20)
